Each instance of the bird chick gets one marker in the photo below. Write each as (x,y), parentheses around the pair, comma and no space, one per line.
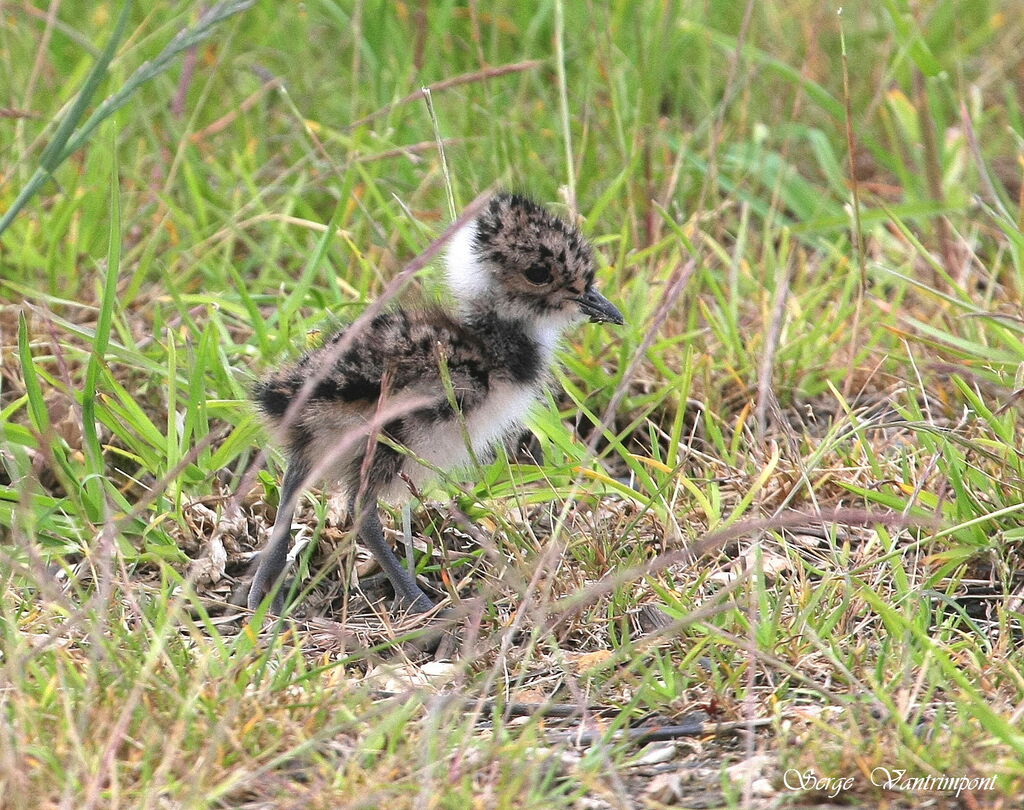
(415,391)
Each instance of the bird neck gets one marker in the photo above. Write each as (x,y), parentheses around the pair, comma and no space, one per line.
(497,327)
(486,318)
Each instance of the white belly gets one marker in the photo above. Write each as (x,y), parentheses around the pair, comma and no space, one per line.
(444,445)
(499,414)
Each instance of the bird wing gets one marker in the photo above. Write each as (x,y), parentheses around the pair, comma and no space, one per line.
(424,355)
(402,353)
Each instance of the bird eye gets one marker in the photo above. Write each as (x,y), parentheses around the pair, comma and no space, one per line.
(538,274)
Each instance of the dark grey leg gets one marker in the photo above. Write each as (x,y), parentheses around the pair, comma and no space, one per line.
(275,555)
(408,594)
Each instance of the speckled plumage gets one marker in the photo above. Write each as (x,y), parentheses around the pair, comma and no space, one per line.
(406,347)
(519,276)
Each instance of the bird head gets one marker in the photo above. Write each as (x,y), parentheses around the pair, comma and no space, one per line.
(518,260)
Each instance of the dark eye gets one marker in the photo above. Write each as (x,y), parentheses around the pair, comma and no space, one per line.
(538,274)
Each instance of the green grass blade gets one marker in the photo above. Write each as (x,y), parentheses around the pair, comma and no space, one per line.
(66,142)
(101,339)
(184,40)
(36,404)
(54,153)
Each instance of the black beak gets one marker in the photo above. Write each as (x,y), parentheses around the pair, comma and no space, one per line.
(598,308)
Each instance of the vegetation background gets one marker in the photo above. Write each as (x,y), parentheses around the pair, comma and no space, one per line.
(817,392)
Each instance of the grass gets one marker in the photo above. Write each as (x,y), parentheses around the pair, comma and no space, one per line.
(836,435)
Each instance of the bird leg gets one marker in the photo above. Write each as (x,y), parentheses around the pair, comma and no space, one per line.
(275,555)
(408,595)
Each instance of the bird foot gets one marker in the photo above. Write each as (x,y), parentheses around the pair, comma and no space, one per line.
(439,640)
(250,594)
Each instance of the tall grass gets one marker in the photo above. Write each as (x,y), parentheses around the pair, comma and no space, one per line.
(251,181)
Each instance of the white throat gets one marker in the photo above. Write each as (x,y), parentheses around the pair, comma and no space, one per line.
(548,331)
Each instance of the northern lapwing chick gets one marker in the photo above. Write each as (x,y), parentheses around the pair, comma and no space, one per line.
(414,391)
